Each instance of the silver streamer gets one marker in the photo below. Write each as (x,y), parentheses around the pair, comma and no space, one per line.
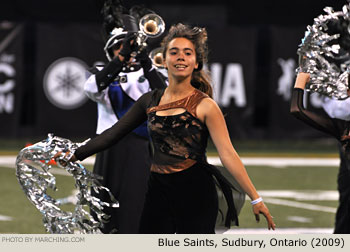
(323,56)
(33,173)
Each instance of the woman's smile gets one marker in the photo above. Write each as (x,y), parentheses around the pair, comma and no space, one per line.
(180,67)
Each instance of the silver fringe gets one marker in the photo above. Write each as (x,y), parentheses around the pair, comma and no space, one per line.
(33,174)
(321,55)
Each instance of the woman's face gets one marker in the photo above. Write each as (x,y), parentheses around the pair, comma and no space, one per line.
(180,58)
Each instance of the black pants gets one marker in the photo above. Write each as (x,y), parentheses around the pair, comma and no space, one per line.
(181,202)
(342,221)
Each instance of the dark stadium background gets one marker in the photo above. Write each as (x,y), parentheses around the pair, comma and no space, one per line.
(276,28)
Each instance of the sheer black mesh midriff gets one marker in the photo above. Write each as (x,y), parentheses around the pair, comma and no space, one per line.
(177,137)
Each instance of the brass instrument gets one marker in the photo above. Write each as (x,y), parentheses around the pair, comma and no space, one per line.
(151,26)
(156,56)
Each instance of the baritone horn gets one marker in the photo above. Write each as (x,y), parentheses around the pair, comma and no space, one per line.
(156,56)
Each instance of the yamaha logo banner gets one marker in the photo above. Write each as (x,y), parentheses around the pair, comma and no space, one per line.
(64,54)
(64,83)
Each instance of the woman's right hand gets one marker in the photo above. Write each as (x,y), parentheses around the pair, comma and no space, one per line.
(129,45)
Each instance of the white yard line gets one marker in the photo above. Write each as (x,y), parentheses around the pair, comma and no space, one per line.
(282,162)
(5,218)
(296,204)
(274,197)
(252,161)
(317,195)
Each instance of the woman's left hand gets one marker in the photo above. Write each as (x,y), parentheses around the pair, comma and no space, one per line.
(260,208)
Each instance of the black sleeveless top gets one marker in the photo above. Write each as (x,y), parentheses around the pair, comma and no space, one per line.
(178,140)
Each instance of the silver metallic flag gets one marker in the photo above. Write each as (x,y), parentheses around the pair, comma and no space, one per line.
(33,173)
(324,53)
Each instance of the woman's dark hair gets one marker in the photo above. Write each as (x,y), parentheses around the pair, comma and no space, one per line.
(198,36)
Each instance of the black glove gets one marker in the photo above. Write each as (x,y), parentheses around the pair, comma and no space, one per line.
(145,61)
(154,78)
(107,75)
(129,45)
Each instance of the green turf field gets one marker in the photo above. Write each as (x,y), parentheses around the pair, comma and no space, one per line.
(27,219)
(301,179)
(18,215)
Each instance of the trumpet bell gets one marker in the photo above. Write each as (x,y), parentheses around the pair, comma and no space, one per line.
(156,56)
(152,25)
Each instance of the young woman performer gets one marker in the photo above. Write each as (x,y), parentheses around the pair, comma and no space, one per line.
(181,195)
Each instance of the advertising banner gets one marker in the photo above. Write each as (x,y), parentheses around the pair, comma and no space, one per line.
(232,66)
(64,53)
